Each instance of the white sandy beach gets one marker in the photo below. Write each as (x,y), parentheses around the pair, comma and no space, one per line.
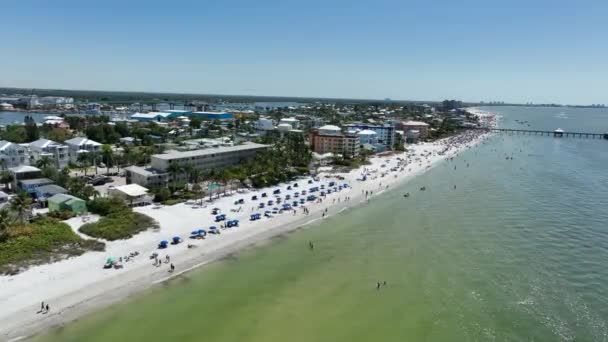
(79,285)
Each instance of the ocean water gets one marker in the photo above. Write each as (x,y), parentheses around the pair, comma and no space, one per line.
(517,252)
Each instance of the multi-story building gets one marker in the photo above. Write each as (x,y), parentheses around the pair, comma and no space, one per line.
(147,177)
(330,139)
(421,127)
(385,134)
(12,155)
(47,148)
(77,146)
(205,159)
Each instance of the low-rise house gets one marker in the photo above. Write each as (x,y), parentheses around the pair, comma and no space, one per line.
(81,145)
(31,185)
(67,202)
(12,155)
(24,172)
(134,195)
(47,191)
(127,140)
(58,153)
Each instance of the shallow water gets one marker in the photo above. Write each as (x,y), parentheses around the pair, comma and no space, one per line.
(517,252)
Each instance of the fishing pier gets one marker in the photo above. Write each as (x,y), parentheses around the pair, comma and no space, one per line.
(558,133)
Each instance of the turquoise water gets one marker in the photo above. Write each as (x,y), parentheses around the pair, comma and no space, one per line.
(517,252)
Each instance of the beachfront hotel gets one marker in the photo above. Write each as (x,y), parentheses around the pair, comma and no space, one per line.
(204,160)
(330,139)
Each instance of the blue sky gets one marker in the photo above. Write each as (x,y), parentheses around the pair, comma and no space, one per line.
(474,50)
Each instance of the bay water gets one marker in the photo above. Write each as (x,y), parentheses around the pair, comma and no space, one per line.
(517,251)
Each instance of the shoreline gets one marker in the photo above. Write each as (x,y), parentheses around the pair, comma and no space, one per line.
(76,287)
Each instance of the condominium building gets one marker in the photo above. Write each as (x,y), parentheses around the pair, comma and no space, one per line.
(209,158)
(205,159)
(330,139)
(12,155)
(77,146)
(58,153)
(385,134)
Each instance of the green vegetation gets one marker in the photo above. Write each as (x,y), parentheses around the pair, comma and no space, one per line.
(43,241)
(119,221)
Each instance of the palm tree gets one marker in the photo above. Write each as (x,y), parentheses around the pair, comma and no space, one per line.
(196,188)
(174,170)
(94,157)
(187,170)
(88,191)
(196,175)
(83,161)
(44,162)
(107,154)
(21,204)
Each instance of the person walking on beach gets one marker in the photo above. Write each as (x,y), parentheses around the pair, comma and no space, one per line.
(172,268)
(41,306)
(48,308)
(167,259)
(378,286)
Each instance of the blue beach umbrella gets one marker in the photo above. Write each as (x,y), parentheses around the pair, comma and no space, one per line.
(195,232)
(202,231)
(213,227)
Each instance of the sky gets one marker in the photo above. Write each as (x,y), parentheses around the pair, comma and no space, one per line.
(541,51)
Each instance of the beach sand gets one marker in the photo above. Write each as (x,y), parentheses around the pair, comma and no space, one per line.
(79,285)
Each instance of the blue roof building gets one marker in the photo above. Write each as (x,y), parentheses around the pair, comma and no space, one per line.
(214,115)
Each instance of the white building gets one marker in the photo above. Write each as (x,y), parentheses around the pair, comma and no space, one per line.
(47,148)
(295,123)
(146,176)
(284,127)
(13,155)
(264,124)
(368,136)
(55,100)
(81,145)
(6,106)
(133,194)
